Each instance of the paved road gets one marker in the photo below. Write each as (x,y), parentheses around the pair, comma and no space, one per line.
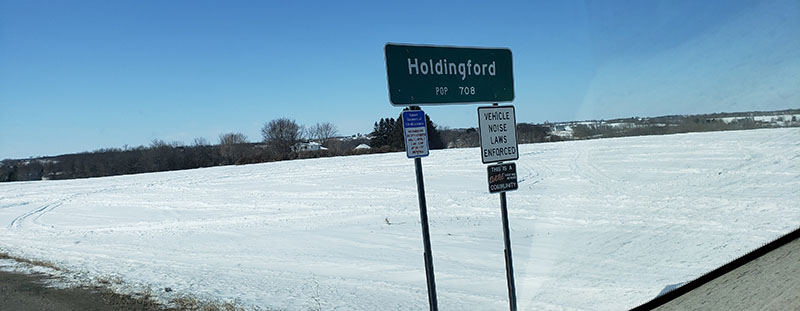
(770,282)
(24,292)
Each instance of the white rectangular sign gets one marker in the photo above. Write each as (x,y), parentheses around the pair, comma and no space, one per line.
(498,130)
(415,133)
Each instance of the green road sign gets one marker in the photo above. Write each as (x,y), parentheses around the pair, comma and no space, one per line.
(424,75)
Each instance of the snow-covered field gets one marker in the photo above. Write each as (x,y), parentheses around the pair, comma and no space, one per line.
(598,225)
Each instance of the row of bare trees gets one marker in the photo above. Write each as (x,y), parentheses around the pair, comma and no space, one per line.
(278,136)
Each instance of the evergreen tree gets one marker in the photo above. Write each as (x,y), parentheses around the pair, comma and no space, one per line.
(389,132)
(434,139)
(382,133)
(394,130)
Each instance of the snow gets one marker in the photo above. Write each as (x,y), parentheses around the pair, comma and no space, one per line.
(599,225)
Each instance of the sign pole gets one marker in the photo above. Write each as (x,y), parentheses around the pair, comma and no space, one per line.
(512,290)
(499,143)
(426,235)
(434,75)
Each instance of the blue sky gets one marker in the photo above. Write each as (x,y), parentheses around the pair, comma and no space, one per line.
(82,75)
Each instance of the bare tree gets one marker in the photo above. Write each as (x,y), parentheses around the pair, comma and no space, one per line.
(231,146)
(280,134)
(201,141)
(323,132)
(158,143)
(232,139)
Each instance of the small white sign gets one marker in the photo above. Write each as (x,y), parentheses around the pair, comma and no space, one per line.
(415,133)
(498,130)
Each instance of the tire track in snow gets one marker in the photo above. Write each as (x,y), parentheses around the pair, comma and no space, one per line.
(583,167)
(14,205)
(529,175)
(18,222)
(37,213)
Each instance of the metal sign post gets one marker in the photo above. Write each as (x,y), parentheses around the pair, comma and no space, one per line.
(415,134)
(512,289)
(498,130)
(426,238)
(436,75)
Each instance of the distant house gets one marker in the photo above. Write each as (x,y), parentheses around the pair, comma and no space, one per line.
(562,130)
(363,147)
(309,146)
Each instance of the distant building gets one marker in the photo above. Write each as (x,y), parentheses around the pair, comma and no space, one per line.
(309,146)
(562,130)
